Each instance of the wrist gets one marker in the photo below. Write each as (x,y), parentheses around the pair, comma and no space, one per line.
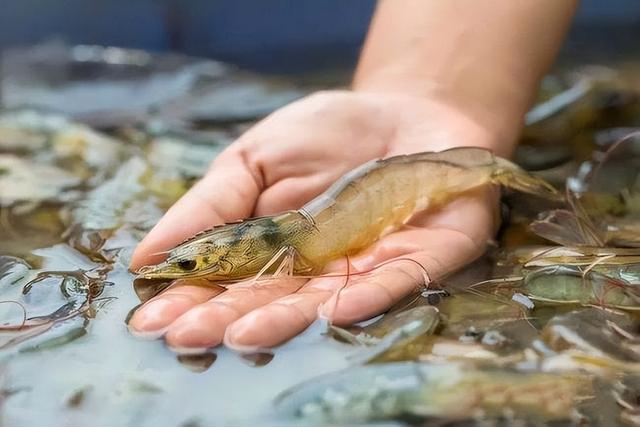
(495,105)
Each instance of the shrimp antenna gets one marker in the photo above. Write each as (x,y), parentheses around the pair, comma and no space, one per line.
(344,285)
(161,252)
(24,316)
(426,276)
(423,288)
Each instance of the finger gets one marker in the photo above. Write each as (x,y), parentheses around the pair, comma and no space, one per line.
(446,240)
(228,192)
(282,319)
(203,326)
(437,251)
(475,214)
(158,313)
(292,193)
(370,294)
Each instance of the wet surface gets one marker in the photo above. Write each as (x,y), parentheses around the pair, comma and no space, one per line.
(544,329)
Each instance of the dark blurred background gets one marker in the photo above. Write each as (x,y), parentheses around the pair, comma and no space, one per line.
(280,36)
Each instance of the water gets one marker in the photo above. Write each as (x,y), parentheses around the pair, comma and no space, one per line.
(66,357)
(103,375)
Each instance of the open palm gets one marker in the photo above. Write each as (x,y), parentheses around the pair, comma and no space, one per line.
(282,163)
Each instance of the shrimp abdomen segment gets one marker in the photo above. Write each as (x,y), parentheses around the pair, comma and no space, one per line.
(383,194)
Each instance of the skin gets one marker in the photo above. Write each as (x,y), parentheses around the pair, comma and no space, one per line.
(433,75)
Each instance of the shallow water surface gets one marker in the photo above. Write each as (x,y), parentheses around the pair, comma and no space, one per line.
(543,329)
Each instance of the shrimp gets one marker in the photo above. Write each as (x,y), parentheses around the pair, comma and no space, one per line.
(436,392)
(357,210)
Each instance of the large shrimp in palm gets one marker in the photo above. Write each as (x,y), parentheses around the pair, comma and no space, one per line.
(365,204)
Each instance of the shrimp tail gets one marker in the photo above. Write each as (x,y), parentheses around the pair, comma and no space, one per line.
(510,175)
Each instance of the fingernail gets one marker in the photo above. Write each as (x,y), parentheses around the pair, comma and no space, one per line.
(235,332)
(191,336)
(151,317)
(196,329)
(147,335)
(188,351)
(233,340)
(240,334)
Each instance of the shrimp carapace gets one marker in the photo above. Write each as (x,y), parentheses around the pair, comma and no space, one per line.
(235,251)
(354,212)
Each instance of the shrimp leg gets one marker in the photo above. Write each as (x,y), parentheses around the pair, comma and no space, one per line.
(287,263)
(287,255)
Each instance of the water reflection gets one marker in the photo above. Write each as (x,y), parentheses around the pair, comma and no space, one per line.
(197,362)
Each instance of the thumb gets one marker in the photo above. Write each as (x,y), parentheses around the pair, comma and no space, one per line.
(227,192)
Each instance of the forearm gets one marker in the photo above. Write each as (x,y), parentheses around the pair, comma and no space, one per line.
(484,57)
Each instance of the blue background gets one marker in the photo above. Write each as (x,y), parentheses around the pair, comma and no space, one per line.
(265,35)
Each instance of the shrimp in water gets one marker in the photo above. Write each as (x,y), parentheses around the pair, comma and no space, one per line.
(366,203)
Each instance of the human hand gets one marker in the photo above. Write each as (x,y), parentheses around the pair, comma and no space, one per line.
(280,164)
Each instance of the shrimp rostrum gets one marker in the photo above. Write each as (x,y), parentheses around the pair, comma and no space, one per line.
(363,205)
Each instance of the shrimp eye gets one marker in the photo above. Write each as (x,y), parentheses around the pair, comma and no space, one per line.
(187,264)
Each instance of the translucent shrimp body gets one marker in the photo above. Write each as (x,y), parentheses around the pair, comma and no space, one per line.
(359,208)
